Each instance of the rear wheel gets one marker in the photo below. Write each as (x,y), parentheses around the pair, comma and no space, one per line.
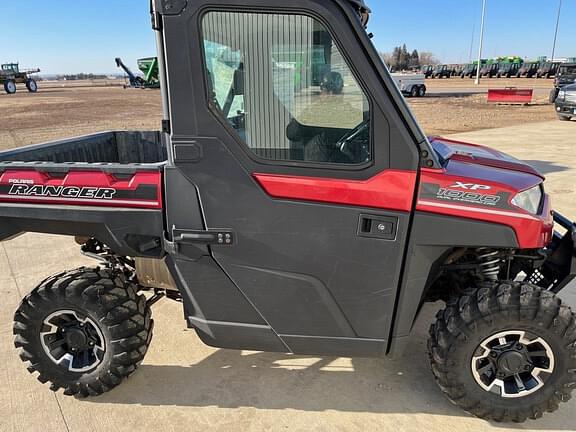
(564,117)
(10,86)
(505,352)
(31,85)
(83,331)
(422,91)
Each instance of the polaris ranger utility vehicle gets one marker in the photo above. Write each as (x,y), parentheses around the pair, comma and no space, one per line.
(507,69)
(427,70)
(469,71)
(547,70)
(441,71)
(293,217)
(528,70)
(489,70)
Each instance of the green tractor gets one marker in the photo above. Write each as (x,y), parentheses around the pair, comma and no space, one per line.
(10,75)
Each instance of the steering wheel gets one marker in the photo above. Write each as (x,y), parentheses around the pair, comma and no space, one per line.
(343,143)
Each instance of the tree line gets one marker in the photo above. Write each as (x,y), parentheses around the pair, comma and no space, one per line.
(401,59)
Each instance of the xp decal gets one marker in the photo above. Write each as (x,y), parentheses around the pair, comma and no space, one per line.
(470,186)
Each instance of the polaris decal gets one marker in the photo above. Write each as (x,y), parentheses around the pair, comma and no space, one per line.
(467,193)
(62,191)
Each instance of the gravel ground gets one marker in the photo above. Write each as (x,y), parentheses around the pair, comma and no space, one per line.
(65,110)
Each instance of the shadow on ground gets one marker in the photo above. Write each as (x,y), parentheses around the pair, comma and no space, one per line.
(271,381)
(452,94)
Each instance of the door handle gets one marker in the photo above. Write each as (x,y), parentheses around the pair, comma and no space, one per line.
(380,227)
(218,237)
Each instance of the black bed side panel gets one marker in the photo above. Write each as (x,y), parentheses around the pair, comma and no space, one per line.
(106,147)
(131,232)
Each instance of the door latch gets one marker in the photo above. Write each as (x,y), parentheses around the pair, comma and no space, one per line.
(210,237)
(382,227)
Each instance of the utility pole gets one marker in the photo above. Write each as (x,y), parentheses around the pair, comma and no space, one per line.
(481,43)
(556,31)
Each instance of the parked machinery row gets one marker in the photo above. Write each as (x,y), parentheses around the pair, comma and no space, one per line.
(509,67)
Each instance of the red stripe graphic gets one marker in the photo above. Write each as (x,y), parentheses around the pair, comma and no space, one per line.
(391,189)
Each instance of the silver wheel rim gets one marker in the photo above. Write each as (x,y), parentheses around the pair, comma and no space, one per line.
(54,341)
(33,85)
(519,384)
(11,87)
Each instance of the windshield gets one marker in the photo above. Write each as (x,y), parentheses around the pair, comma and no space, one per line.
(568,69)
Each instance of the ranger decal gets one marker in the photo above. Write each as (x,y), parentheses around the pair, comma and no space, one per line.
(62,191)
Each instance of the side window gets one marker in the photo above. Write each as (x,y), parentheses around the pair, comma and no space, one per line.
(282,84)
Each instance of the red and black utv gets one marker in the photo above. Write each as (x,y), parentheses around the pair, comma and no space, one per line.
(294,214)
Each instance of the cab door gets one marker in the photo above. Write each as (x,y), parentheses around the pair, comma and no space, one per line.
(302,165)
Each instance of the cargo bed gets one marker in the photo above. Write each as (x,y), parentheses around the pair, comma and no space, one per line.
(105,147)
(106,185)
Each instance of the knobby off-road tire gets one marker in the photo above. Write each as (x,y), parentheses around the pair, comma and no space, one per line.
(489,311)
(100,299)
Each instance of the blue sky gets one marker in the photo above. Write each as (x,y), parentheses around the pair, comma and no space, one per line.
(85,36)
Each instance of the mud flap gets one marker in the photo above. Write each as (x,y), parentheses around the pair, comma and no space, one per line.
(559,268)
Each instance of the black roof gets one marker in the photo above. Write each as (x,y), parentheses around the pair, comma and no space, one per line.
(363,10)
(360,5)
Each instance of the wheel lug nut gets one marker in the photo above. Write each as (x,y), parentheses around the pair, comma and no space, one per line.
(494,354)
(519,347)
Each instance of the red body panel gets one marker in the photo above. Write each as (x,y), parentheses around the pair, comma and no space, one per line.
(494,178)
(532,231)
(391,189)
(86,188)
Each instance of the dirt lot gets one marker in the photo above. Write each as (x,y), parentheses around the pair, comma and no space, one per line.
(61,110)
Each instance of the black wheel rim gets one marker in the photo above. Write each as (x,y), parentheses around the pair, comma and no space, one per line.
(512,363)
(72,341)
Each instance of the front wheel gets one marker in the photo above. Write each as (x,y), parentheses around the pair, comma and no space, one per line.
(31,85)
(553,95)
(505,351)
(83,331)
